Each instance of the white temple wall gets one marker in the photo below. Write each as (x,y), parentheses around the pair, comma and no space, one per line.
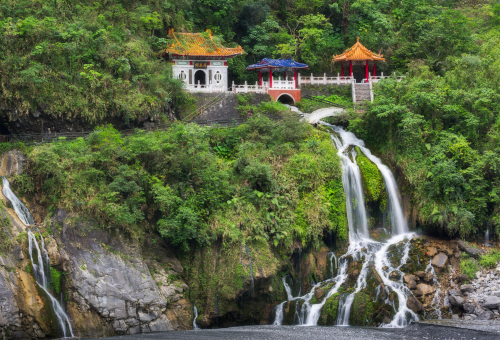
(215,73)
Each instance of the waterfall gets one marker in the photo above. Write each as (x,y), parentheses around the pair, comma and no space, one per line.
(195,326)
(398,222)
(487,237)
(361,247)
(22,212)
(41,270)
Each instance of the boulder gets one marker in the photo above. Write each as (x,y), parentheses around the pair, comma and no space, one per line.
(426,289)
(446,250)
(454,292)
(484,314)
(418,293)
(420,274)
(467,288)
(408,278)
(440,261)
(319,293)
(455,317)
(412,285)
(431,252)
(468,249)
(469,308)
(429,277)
(491,302)
(386,320)
(414,304)
(456,301)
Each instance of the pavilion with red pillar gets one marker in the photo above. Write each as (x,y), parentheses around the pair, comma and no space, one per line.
(358,55)
(278,87)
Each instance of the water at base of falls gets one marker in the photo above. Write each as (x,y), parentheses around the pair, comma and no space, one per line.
(371,253)
(41,270)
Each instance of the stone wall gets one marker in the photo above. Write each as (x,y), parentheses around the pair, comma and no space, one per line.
(226,107)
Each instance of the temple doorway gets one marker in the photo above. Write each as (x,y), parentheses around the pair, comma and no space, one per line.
(200,77)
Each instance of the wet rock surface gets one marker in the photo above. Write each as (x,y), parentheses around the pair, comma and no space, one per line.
(412,332)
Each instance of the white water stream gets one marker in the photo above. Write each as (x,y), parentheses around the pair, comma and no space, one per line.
(361,247)
(41,268)
(195,326)
(42,272)
(19,207)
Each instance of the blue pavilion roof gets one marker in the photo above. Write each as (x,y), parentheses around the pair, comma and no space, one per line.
(276,63)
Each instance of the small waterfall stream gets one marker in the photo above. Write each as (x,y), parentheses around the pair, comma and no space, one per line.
(19,207)
(195,326)
(361,247)
(41,268)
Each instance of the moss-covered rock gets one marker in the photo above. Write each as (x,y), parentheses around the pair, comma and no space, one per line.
(329,311)
(361,308)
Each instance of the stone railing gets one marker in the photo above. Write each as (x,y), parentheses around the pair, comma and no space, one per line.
(338,80)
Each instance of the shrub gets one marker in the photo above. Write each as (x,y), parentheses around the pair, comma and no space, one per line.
(469,267)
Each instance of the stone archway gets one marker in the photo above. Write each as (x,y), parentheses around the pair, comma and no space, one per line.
(201,77)
(286,98)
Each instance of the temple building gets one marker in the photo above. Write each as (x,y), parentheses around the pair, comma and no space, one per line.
(358,55)
(200,61)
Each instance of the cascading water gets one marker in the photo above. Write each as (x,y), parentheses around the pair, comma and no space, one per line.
(21,210)
(487,237)
(195,326)
(39,268)
(361,248)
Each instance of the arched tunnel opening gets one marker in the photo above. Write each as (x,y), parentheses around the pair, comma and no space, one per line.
(286,99)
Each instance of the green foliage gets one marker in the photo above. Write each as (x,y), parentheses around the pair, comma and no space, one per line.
(469,267)
(373,182)
(86,59)
(193,185)
(490,260)
(55,277)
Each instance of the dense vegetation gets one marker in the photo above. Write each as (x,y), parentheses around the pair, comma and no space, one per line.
(440,126)
(261,181)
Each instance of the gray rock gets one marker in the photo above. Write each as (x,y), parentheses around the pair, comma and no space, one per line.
(491,302)
(484,314)
(467,289)
(440,261)
(162,324)
(455,317)
(454,292)
(456,301)
(469,308)
(469,250)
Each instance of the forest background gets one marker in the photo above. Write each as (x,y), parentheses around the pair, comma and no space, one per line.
(439,128)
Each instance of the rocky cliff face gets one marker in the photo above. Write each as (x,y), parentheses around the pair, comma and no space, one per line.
(108,285)
(40,120)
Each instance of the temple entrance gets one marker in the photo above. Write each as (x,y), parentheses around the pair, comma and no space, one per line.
(200,77)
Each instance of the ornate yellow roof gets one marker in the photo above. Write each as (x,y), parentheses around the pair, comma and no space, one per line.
(357,52)
(199,45)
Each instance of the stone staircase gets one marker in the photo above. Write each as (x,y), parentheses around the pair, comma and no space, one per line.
(361,92)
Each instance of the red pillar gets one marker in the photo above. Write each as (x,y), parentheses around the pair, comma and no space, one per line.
(295,77)
(342,69)
(373,73)
(366,71)
(270,77)
(350,68)
(260,77)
